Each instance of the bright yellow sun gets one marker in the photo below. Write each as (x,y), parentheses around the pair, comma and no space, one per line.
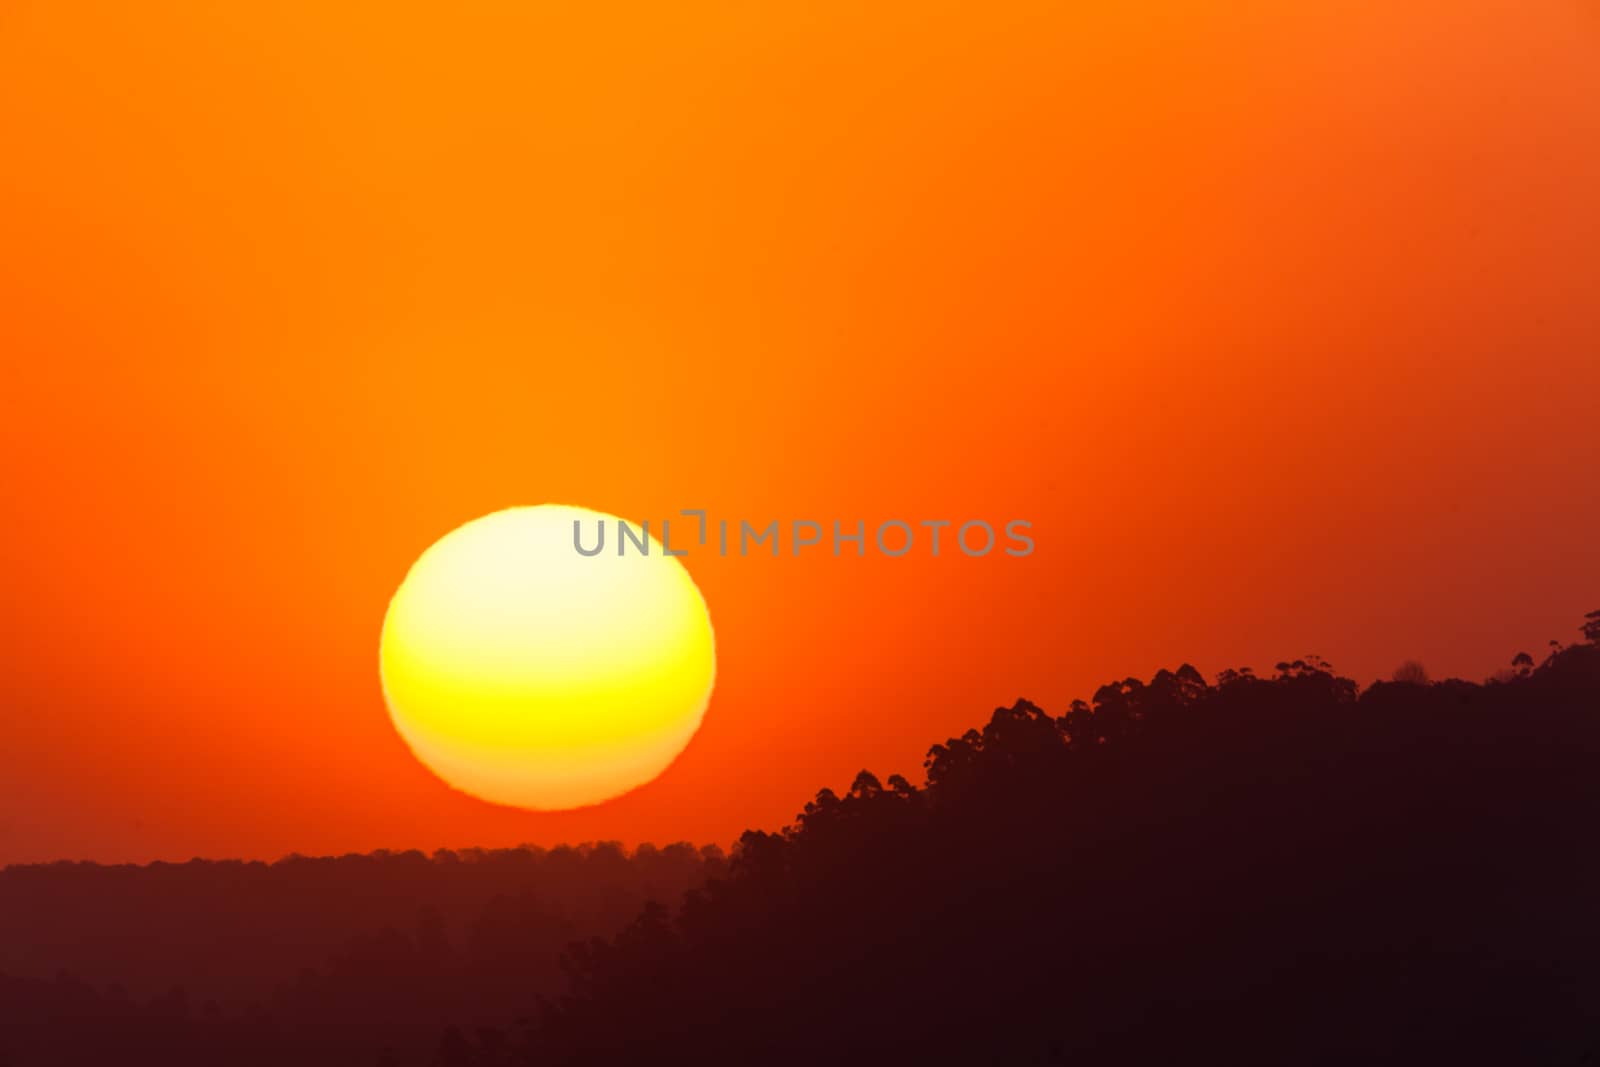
(525,673)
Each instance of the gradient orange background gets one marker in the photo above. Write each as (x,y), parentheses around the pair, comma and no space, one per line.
(1281,322)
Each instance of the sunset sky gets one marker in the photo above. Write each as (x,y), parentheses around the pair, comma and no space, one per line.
(1280,323)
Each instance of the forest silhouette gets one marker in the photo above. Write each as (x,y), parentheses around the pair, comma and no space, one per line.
(1282,868)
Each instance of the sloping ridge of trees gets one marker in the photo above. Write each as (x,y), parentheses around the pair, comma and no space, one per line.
(1278,869)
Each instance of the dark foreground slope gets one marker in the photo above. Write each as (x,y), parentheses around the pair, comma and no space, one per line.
(1262,871)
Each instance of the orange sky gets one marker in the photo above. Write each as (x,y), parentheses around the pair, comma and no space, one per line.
(1281,323)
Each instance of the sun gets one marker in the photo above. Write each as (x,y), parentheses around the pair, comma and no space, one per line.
(525,673)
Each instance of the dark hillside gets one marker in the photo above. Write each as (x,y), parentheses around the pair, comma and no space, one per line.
(1267,870)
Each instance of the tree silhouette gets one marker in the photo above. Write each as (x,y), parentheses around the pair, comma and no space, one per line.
(1273,869)
(1411,673)
(1264,870)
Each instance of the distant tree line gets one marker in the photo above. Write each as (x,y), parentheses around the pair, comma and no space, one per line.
(306,960)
